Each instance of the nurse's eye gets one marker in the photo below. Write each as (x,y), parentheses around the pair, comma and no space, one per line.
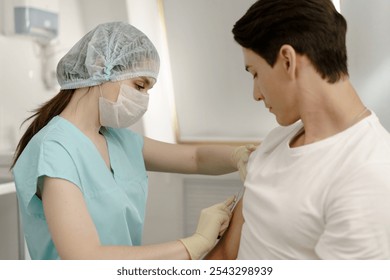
(140,86)
(254,76)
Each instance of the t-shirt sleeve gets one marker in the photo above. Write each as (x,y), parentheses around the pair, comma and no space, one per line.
(358,217)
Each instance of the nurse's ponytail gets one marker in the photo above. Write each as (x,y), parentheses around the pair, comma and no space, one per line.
(41,117)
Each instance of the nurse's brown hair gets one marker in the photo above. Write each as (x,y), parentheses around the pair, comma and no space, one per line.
(41,117)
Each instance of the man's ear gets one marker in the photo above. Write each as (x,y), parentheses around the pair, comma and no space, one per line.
(288,58)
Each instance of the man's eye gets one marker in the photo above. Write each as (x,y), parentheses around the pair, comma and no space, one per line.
(255,76)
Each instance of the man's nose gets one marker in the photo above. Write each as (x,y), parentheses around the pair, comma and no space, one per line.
(257,94)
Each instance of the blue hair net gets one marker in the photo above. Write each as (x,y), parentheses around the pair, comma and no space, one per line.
(112,51)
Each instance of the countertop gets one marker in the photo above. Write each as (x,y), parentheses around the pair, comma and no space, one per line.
(7,188)
(6,179)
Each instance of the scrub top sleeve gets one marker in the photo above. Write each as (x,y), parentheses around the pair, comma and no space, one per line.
(56,161)
(49,158)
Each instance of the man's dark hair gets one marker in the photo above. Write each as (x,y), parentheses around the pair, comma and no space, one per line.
(312,27)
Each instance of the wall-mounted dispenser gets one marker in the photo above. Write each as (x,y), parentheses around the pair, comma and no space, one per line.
(32,18)
(37,21)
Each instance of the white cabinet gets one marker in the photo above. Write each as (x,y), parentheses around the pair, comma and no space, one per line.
(11,237)
(10,248)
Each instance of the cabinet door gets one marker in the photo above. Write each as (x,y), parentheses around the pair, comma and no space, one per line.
(9,227)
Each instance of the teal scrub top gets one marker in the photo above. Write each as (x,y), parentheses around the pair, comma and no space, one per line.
(115,199)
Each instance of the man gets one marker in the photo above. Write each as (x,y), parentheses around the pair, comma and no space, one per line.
(318,187)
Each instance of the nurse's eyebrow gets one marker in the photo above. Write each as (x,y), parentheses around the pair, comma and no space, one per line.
(247,67)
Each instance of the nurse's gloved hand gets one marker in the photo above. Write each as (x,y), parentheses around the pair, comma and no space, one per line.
(240,157)
(213,222)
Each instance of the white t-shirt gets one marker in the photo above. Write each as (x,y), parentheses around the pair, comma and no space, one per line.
(326,200)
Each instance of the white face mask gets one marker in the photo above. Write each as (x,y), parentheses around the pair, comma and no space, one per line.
(128,109)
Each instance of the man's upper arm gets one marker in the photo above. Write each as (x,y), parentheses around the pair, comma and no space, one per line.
(227,247)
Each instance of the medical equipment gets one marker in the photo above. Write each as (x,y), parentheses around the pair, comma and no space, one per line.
(38,21)
(237,198)
(32,18)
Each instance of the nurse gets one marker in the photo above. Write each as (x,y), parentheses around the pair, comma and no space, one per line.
(81,175)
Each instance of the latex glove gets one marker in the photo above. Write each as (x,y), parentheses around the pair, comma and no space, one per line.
(240,157)
(213,222)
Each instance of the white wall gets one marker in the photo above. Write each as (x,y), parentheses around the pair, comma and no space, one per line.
(368,42)
(100,11)
(22,88)
(213,92)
